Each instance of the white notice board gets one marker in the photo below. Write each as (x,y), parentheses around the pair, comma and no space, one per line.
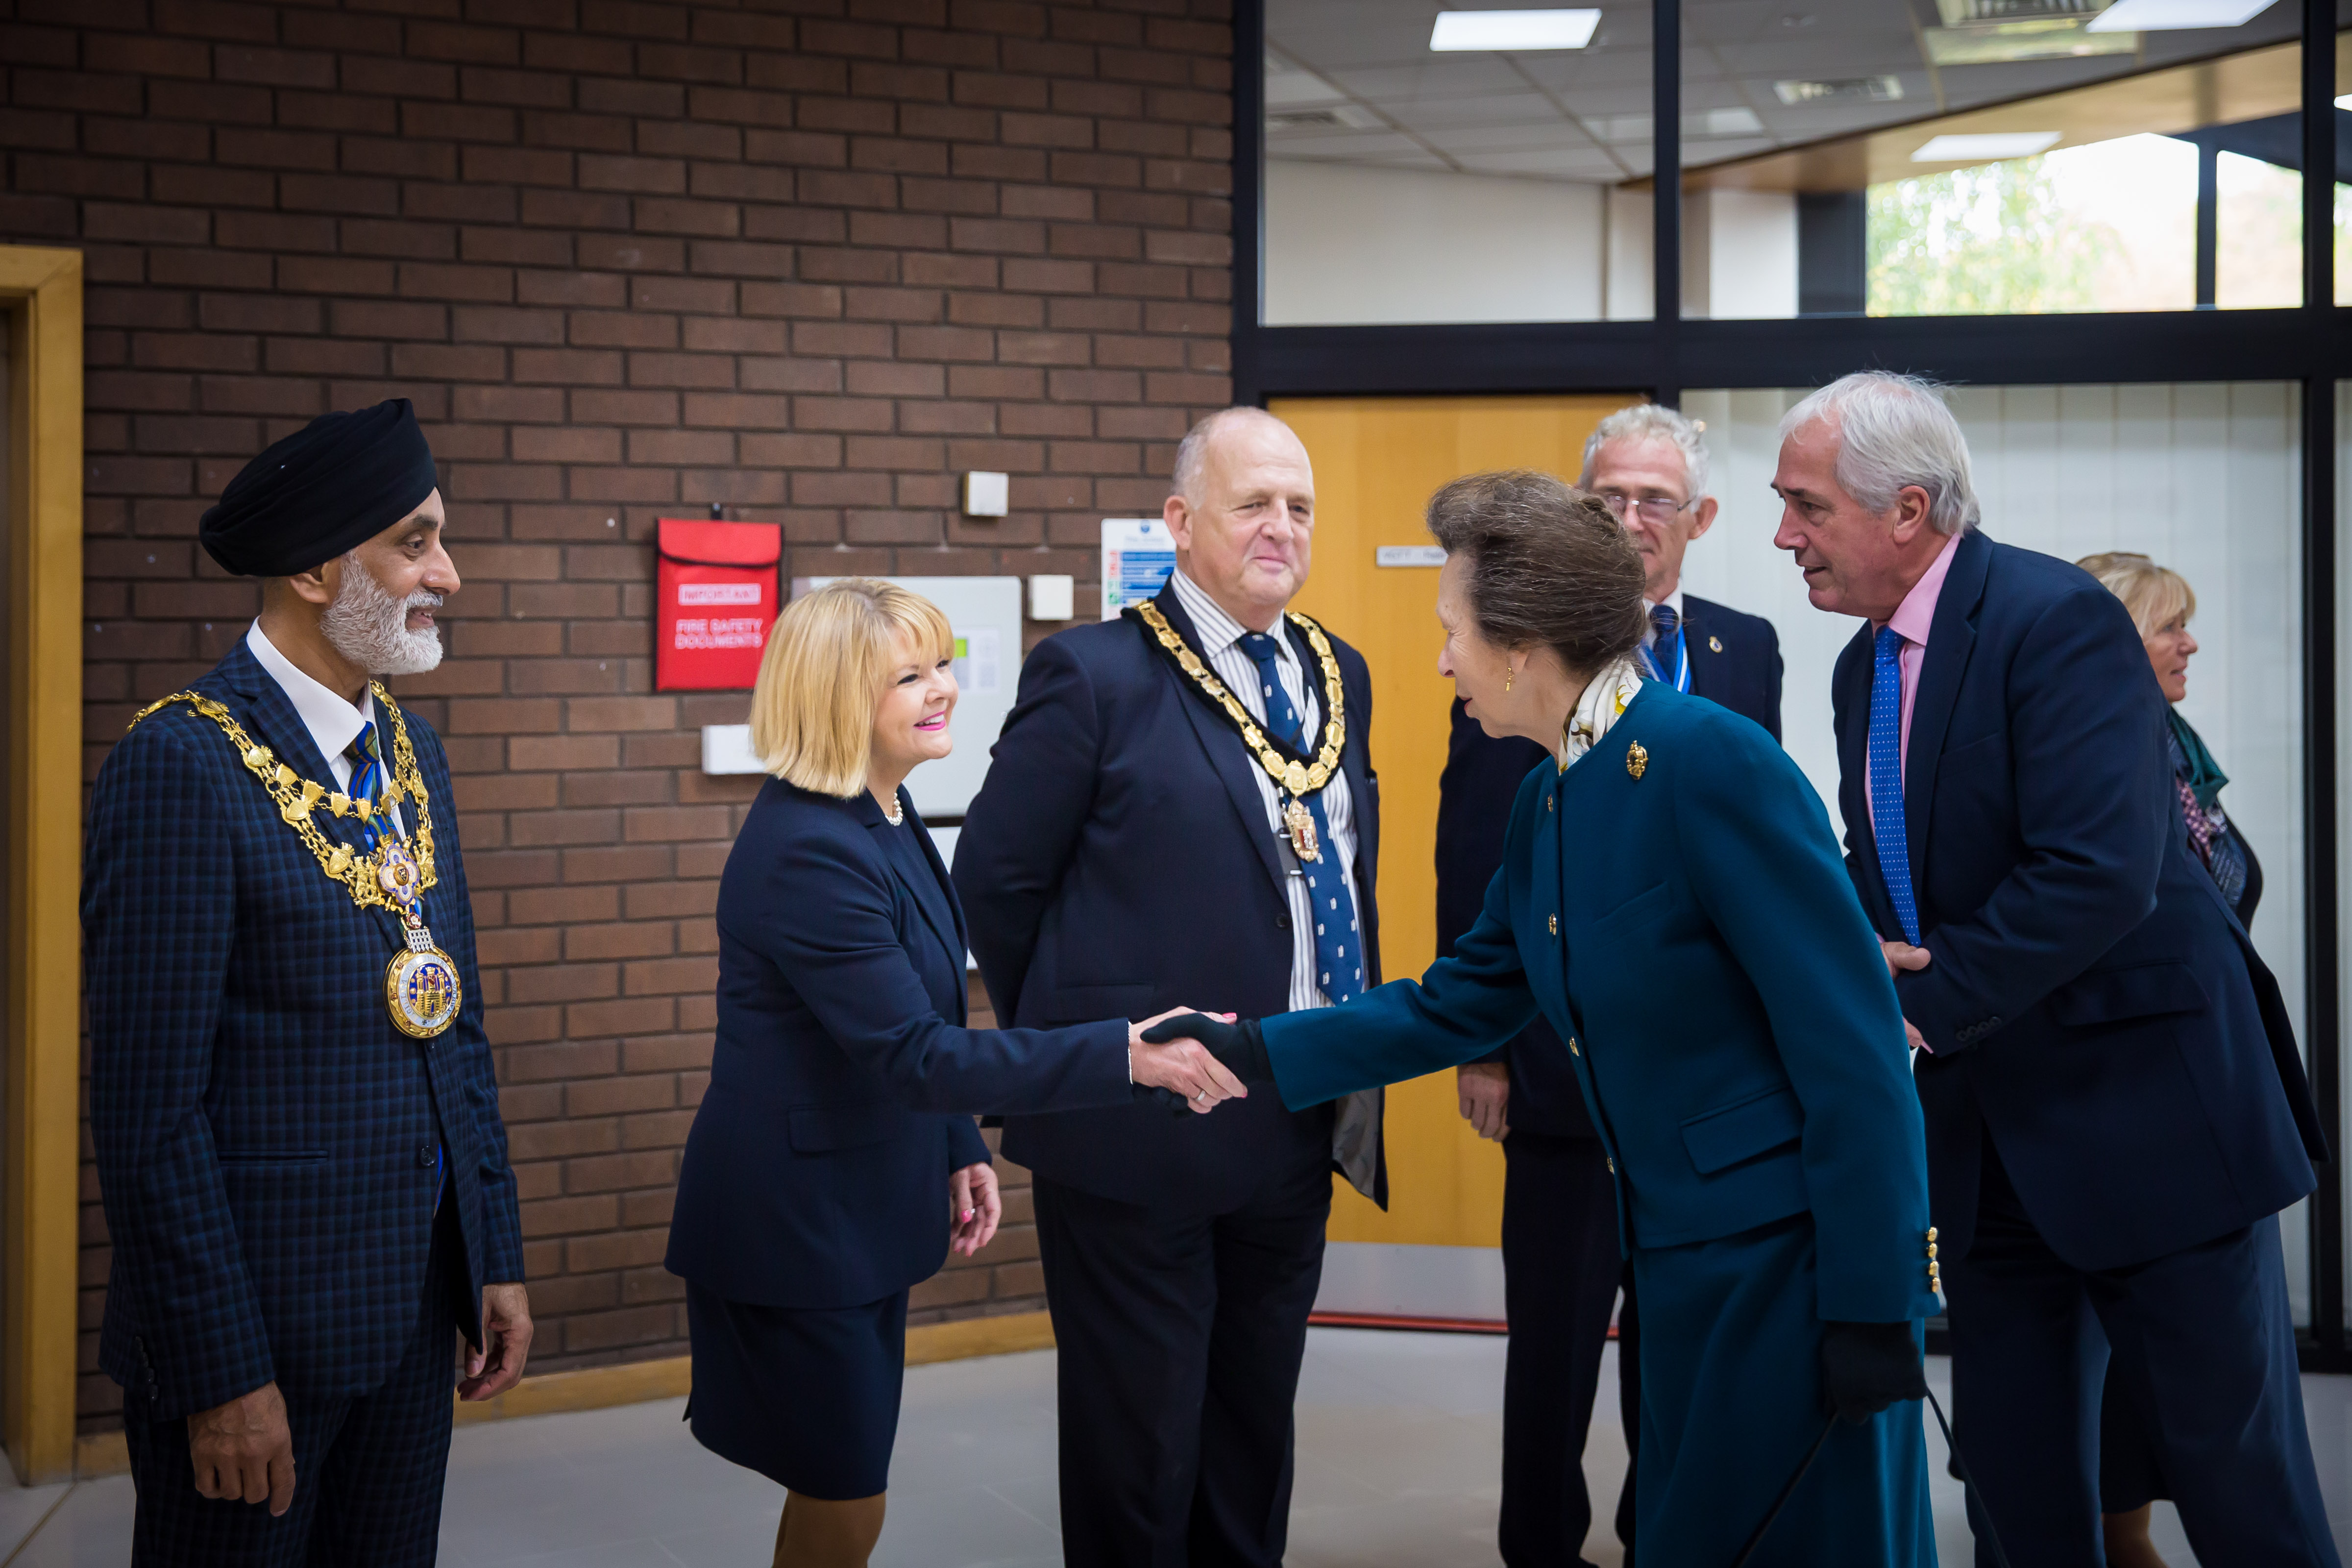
(984,613)
(1138,556)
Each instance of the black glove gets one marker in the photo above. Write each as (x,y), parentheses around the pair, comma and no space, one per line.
(1865,1367)
(1240,1047)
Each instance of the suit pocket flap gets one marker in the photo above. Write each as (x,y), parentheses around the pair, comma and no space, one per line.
(2143,991)
(814,1128)
(1740,1131)
(1086,1003)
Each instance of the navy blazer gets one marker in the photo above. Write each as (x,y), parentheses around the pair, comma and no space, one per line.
(2091,1002)
(843,1079)
(269,1145)
(1735,660)
(1690,932)
(1736,663)
(1118,859)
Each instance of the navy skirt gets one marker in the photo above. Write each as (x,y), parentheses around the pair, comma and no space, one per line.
(806,1396)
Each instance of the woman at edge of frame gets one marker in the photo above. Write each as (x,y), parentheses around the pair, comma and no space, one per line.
(829,1167)
(1673,900)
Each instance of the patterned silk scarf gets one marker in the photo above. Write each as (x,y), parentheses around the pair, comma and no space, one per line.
(1603,703)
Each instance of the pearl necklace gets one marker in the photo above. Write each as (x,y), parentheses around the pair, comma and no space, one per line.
(895,814)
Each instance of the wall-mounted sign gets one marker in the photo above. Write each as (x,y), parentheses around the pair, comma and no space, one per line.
(1138,557)
(716,597)
(1408,555)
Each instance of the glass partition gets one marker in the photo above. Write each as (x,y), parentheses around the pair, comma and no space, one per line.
(1413,177)
(1972,157)
(2203,478)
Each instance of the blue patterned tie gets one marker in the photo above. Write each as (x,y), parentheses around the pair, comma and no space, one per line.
(1338,955)
(367,781)
(1886,779)
(1668,659)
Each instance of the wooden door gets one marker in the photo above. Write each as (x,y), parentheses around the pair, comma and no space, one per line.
(1377,461)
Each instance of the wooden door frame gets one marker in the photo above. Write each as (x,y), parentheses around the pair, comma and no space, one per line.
(40,1135)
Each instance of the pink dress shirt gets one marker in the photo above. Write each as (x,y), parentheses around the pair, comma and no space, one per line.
(1911,621)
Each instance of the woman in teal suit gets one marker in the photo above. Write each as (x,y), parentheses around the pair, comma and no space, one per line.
(1672,900)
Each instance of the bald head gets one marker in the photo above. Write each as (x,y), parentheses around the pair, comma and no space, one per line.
(1244,512)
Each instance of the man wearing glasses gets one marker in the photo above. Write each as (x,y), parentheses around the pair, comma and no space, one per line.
(1561,1258)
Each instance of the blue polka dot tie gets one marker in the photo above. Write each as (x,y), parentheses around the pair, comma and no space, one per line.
(1339,954)
(1887,830)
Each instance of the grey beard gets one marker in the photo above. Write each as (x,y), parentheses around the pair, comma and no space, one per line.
(369,627)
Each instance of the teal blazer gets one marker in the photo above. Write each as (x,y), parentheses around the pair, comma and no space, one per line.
(1697,944)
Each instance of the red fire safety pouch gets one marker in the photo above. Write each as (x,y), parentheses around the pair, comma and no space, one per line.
(717,593)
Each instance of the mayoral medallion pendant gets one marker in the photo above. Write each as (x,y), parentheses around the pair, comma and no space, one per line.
(421,988)
(1300,823)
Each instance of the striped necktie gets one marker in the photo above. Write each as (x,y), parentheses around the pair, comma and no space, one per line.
(1667,654)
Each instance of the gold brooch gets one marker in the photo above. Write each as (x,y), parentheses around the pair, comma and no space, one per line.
(1715,645)
(1637,761)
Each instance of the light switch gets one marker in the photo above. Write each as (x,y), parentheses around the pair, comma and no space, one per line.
(1053,598)
(986,495)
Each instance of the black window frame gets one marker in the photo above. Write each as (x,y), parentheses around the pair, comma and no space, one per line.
(2307,345)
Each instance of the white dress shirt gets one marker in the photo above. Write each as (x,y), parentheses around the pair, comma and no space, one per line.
(1220,644)
(333,722)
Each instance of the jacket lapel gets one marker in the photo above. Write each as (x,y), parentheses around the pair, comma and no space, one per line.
(1951,638)
(269,715)
(1233,764)
(929,902)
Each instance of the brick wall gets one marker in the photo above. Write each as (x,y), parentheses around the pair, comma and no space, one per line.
(810,261)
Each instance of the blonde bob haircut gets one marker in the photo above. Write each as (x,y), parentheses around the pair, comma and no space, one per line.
(812,711)
(2156,596)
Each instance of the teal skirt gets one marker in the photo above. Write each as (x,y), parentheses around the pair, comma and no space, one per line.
(1731,1399)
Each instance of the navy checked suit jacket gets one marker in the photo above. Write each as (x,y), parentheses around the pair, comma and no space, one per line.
(267,1140)
(2092,1002)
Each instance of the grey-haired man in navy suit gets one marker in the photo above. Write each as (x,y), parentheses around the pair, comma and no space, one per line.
(1560,1256)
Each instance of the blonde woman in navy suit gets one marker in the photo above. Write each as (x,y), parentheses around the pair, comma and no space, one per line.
(834,1160)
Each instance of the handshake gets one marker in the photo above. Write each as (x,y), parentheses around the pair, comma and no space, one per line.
(1191,1061)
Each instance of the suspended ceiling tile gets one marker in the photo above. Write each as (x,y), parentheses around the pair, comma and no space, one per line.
(1522,108)
(1468,140)
(1559,162)
(1327,144)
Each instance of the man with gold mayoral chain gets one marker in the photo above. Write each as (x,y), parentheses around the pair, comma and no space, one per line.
(291,1095)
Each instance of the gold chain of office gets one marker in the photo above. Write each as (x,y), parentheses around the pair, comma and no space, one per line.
(1297,777)
(298,797)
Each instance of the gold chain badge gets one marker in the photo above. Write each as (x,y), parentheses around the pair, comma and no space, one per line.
(298,797)
(1298,778)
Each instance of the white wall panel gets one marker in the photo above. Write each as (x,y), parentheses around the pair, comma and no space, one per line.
(1354,245)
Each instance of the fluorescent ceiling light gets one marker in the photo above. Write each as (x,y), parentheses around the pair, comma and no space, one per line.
(2165,16)
(1985,146)
(1512,31)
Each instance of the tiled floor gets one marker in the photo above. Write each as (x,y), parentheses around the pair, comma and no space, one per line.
(1399,1439)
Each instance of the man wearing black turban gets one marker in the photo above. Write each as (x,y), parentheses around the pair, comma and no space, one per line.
(291,1094)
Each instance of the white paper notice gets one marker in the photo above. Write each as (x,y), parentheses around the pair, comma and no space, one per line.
(1137,558)
(978,667)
